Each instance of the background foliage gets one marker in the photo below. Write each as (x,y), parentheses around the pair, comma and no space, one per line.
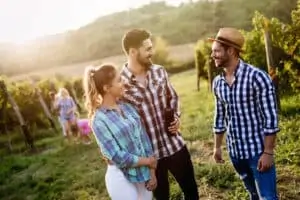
(178,25)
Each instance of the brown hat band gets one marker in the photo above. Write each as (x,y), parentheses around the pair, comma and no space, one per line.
(228,41)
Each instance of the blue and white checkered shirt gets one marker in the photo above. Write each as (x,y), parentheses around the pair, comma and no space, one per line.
(246,110)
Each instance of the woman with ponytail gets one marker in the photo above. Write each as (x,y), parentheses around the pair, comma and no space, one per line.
(120,135)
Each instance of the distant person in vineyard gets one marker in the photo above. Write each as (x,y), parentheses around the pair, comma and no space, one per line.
(66,107)
(55,111)
(246,110)
(148,89)
(120,135)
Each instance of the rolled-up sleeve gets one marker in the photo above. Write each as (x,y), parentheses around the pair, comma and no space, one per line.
(219,117)
(109,145)
(266,98)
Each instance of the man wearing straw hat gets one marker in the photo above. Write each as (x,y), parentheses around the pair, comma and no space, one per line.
(245,108)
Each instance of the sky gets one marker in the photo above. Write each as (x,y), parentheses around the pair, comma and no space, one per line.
(24,20)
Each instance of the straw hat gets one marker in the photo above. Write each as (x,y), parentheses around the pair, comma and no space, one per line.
(231,37)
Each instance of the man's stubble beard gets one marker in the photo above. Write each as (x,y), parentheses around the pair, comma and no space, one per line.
(224,63)
(146,65)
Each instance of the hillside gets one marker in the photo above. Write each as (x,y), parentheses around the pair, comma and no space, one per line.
(180,53)
(101,38)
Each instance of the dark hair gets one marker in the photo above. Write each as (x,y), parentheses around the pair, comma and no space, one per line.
(134,39)
(94,81)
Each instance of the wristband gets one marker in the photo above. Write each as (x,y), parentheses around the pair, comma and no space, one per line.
(270,154)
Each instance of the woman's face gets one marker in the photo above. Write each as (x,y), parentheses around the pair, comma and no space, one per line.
(64,94)
(116,88)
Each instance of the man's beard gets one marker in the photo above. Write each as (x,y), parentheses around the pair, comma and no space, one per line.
(223,62)
(147,63)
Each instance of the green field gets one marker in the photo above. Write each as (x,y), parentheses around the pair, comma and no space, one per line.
(75,171)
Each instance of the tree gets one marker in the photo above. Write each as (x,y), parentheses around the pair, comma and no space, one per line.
(161,52)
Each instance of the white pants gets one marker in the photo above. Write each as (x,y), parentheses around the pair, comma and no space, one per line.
(119,188)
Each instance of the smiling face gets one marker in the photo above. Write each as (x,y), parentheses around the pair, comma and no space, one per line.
(221,54)
(116,86)
(144,53)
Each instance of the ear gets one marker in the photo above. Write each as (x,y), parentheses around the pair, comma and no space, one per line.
(105,88)
(132,51)
(231,51)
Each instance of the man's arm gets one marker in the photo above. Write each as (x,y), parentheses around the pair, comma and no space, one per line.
(265,94)
(219,125)
(269,143)
(220,111)
(266,97)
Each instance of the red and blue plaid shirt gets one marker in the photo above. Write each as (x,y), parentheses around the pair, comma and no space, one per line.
(151,101)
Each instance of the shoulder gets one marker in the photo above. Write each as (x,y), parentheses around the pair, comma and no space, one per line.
(259,77)
(216,80)
(159,71)
(258,74)
(69,99)
(128,106)
(158,68)
(255,71)
(99,118)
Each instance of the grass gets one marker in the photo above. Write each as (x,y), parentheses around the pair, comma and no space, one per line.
(76,172)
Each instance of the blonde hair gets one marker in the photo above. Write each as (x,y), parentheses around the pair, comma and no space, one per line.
(93,81)
(63,92)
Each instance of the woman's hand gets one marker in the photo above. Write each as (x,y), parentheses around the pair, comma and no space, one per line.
(152,183)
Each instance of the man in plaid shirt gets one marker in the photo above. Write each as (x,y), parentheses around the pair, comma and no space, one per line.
(246,111)
(147,87)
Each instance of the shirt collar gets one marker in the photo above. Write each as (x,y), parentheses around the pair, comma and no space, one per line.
(105,109)
(238,70)
(128,74)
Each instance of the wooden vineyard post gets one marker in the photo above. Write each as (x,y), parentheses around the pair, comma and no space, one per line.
(3,115)
(270,61)
(43,104)
(28,138)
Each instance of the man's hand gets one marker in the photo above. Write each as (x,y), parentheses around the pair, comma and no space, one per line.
(152,183)
(174,126)
(152,162)
(218,155)
(265,162)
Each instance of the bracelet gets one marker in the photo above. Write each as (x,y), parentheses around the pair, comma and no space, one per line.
(270,154)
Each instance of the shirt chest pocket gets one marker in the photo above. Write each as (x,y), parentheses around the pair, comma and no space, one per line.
(245,96)
(159,87)
(135,96)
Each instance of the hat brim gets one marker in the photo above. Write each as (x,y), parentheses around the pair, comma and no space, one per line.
(226,43)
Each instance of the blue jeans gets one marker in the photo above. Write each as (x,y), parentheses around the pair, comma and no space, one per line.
(260,185)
